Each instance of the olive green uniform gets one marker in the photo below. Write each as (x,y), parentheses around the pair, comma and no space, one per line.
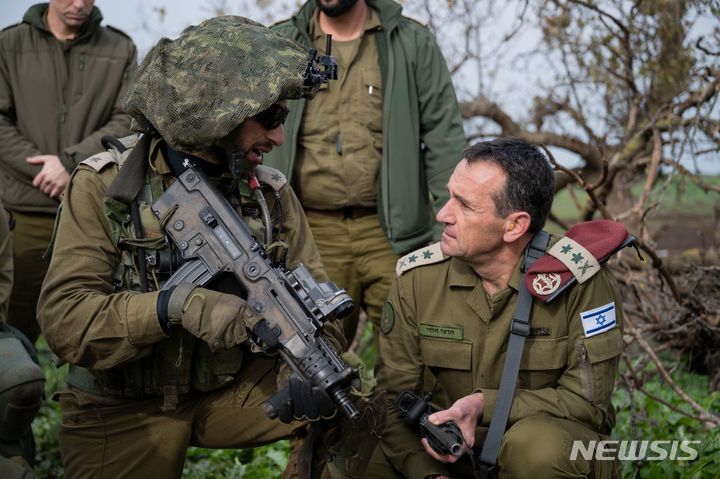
(148,396)
(339,150)
(438,316)
(56,98)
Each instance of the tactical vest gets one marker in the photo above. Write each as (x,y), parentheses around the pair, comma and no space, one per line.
(181,362)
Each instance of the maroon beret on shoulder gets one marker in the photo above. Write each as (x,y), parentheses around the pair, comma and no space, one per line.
(576,257)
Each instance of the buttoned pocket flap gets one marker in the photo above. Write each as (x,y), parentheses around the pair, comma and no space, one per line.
(446,354)
(544,354)
(604,346)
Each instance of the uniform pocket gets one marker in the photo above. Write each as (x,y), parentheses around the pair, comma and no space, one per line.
(451,363)
(599,357)
(75,416)
(542,362)
(369,101)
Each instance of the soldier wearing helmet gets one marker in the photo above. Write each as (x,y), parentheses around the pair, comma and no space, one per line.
(141,390)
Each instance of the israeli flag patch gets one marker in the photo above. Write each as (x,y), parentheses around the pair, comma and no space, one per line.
(598,320)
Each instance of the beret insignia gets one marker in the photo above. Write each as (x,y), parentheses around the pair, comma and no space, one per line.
(576,257)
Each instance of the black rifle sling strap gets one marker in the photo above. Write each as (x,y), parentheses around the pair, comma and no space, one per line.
(131,177)
(519,330)
(125,188)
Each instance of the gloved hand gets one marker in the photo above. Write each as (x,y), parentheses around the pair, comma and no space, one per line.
(216,318)
(300,400)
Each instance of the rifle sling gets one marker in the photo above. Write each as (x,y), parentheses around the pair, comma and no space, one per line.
(519,330)
(131,177)
(125,188)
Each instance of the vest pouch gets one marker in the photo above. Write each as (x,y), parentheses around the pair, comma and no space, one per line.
(153,236)
(215,370)
(131,381)
(171,367)
(163,371)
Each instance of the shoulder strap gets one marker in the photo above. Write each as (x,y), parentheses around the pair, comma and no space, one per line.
(131,177)
(100,161)
(125,188)
(519,330)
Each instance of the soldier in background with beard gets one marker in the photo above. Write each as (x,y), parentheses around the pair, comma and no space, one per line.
(371,158)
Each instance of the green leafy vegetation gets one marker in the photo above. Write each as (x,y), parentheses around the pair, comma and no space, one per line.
(259,463)
(642,417)
(639,417)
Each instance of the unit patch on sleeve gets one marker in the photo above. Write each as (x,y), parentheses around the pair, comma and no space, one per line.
(598,320)
(387,318)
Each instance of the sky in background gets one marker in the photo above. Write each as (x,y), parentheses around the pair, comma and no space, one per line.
(140,19)
(146,21)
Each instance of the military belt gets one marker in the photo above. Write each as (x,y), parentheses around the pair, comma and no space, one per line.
(82,379)
(347,213)
(86,381)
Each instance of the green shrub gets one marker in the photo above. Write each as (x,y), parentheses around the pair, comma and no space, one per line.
(641,417)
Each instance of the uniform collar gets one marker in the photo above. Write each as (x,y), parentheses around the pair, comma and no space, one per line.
(463,275)
(514,281)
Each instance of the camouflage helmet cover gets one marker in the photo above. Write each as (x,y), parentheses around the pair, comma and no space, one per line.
(195,90)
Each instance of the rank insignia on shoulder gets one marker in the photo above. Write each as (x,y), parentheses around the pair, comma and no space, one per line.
(271,176)
(598,320)
(420,257)
(576,257)
(100,161)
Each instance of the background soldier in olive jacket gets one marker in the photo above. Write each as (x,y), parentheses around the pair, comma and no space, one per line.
(450,311)
(62,81)
(371,158)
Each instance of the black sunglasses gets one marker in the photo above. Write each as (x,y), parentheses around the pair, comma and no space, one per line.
(272,117)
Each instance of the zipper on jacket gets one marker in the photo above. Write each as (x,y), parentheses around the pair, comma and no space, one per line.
(388,94)
(586,374)
(66,92)
(82,62)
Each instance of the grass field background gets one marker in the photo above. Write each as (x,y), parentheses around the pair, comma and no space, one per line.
(676,197)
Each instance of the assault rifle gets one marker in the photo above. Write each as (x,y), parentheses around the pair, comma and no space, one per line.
(292,306)
(445,438)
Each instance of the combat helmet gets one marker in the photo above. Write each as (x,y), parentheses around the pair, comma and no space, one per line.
(196,89)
